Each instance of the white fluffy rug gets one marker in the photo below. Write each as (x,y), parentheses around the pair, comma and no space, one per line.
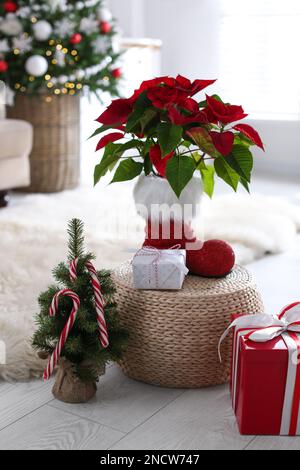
(33,241)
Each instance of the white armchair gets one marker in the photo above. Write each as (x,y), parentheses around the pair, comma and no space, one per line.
(15,146)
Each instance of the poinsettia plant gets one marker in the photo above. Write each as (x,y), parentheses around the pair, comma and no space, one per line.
(173,136)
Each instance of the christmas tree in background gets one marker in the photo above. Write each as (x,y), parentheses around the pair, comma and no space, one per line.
(83,348)
(58,46)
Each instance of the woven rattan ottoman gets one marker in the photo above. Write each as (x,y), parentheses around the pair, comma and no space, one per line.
(174,335)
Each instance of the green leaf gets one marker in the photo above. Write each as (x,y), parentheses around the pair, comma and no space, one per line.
(112,154)
(147,165)
(226,173)
(204,141)
(147,118)
(134,143)
(241,139)
(240,159)
(146,147)
(208,178)
(169,136)
(186,143)
(100,130)
(179,172)
(142,103)
(127,170)
(245,184)
(197,157)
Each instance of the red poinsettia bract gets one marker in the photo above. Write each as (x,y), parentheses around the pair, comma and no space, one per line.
(118,112)
(157,160)
(225,113)
(113,137)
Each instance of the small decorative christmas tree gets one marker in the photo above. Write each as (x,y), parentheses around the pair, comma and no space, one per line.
(78,323)
(58,46)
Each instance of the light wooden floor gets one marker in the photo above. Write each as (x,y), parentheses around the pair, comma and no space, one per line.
(131,415)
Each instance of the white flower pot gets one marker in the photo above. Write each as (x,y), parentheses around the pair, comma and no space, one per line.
(154,198)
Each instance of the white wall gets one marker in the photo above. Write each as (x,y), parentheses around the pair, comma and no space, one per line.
(130,16)
(188,29)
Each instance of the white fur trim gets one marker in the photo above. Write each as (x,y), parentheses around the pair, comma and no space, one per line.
(154,198)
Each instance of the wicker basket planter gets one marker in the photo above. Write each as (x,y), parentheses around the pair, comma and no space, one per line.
(55,158)
(174,335)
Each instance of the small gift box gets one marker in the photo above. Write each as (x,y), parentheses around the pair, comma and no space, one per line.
(265,375)
(159,269)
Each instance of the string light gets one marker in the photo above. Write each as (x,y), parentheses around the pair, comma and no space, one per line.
(78,86)
(31,78)
(54,61)
(59,47)
(65,50)
(72,92)
(22,89)
(74,52)
(51,42)
(48,53)
(64,91)
(33,19)
(50,85)
(17,86)
(16,51)
(48,99)
(57,91)
(47,77)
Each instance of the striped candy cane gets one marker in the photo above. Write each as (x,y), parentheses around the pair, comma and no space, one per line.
(68,326)
(99,300)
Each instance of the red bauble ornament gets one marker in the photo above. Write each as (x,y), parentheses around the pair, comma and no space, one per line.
(105,27)
(117,73)
(10,6)
(215,259)
(76,38)
(3,66)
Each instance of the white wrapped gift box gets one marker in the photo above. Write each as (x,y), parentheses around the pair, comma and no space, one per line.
(159,269)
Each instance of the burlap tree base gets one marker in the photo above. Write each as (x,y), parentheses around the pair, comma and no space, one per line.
(69,388)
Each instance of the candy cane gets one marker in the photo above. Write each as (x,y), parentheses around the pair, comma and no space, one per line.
(67,328)
(73,269)
(99,300)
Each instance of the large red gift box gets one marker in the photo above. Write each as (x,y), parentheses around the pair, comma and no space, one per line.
(265,373)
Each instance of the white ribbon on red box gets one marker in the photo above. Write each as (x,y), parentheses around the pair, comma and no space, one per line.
(263,328)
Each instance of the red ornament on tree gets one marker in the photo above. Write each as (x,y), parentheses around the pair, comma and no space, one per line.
(215,259)
(76,39)
(117,73)
(3,66)
(10,6)
(105,27)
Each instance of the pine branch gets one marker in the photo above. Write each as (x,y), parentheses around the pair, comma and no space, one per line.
(76,239)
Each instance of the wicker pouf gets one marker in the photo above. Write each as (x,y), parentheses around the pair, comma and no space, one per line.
(55,157)
(174,335)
